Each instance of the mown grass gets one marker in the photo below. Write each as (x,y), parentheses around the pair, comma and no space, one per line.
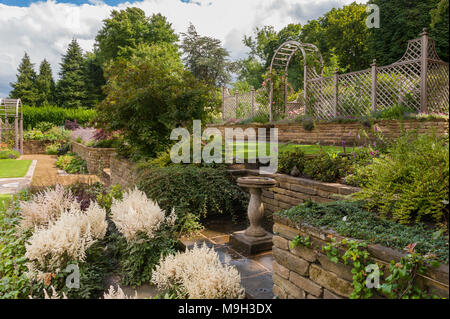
(11,168)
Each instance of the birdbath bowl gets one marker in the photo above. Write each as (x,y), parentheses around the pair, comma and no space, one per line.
(254,238)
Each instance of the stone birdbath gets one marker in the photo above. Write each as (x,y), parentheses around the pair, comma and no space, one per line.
(254,239)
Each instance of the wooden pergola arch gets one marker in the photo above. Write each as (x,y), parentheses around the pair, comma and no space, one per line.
(282,58)
(12,109)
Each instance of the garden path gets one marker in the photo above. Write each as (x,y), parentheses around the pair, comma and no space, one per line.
(46,173)
(256,271)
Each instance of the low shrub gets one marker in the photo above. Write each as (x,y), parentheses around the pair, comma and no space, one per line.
(410,183)
(351,219)
(193,191)
(198,274)
(71,125)
(72,164)
(44,126)
(327,167)
(85,194)
(53,134)
(290,159)
(146,235)
(9,154)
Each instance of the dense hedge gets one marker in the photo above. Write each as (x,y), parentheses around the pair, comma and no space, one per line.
(55,115)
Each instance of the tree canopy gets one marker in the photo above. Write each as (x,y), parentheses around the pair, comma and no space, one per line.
(45,84)
(24,88)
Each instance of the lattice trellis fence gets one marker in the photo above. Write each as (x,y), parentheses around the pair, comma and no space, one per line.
(419,81)
(243,105)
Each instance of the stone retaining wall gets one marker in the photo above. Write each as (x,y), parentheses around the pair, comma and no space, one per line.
(292,191)
(306,273)
(335,133)
(96,158)
(121,172)
(35,147)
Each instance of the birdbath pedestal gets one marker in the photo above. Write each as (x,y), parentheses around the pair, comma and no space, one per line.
(254,239)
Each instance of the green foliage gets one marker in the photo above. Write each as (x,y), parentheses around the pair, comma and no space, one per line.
(45,84)
(301,240)
(44,126)
(72,164)
(410,183)
(139,257)
(400,21)
(52,149)
(327,167)
(193,191)
(56,115)
(440,28)
(290,159)
(71,90)
(14,282)
(400,284)
(307,122)
(206,58)
(9,154)
(105,198)
(350,219)
(24,88)
(148,95)
(128,29)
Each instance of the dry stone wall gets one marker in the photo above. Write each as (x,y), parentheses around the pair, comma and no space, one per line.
(97,159)
(306,273)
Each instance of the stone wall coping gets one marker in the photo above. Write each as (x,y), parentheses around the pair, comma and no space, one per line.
(328,187)
(94,148)
(382,253)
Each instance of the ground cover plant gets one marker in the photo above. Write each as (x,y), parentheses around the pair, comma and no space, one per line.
(10,168)
(351,219)
(6,153)
(72,164)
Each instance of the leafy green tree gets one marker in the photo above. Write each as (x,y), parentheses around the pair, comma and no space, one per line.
(93,79)
(346,32)
(71,89)
(149,94)
(251,71)
(45,84)
(440,28)
(25,87)
(206,58)
(400,21)
(127,29)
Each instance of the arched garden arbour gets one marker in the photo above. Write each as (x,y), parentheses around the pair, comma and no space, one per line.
(312,64)
(11,120)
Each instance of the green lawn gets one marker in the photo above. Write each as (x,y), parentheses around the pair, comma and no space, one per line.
(308,149)
(11,168)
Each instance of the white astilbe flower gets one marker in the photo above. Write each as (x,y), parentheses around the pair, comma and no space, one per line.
(135,214)
(45,207)
(54,295)
(119,294)
(68,237)
(198,274)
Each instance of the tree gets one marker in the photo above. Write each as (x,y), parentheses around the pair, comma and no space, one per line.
(127,29)
(45,84)
(400,21)
(440,28)
(251,71)
(149,94)
(71,88)
(346,32)
(206,58)
(25,86)
(93,79)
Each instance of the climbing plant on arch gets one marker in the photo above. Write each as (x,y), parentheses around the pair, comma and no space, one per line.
(278,73)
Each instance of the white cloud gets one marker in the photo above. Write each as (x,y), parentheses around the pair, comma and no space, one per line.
(44,29)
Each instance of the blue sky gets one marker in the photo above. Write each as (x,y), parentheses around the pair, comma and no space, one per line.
(44,29)
(26,3)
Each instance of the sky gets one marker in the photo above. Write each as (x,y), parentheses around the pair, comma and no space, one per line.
(43,29)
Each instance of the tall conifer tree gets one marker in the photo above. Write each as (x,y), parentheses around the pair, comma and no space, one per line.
(25,87)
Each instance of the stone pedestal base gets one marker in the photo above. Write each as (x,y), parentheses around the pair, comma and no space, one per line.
(250,245)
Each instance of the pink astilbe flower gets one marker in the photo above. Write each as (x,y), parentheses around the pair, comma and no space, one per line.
(198,274)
